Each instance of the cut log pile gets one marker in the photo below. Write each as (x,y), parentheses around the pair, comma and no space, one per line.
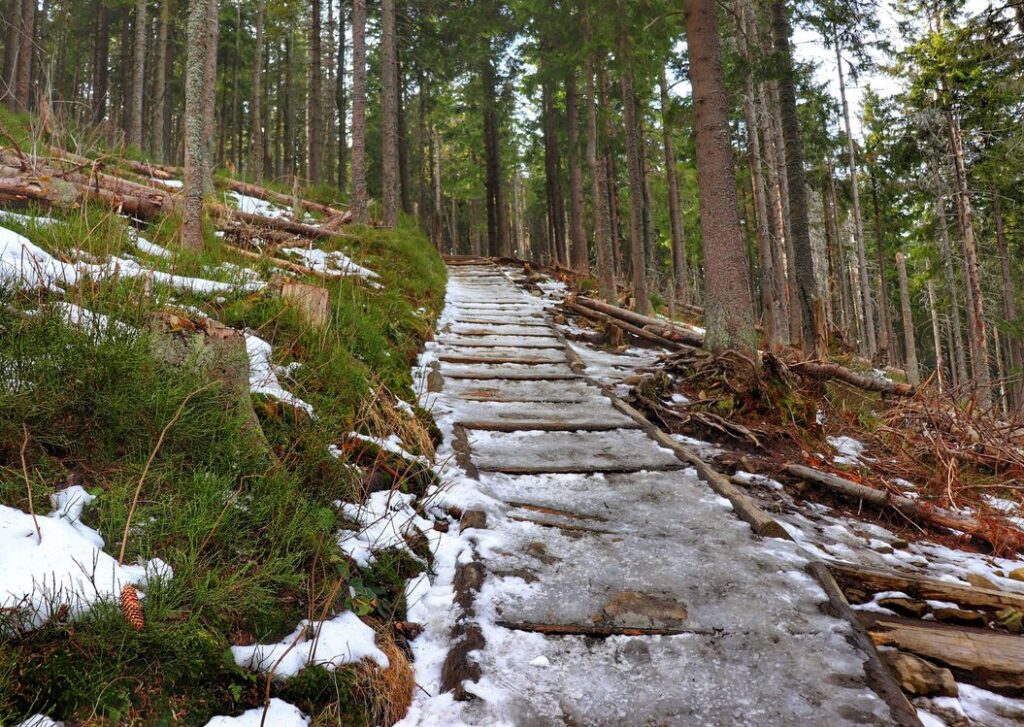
(65,179)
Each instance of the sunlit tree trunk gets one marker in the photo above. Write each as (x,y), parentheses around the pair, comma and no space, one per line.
(389,114)
(728,308)
(599,193)
(680,267)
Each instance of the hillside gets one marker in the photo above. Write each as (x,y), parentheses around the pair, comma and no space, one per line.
(203,427)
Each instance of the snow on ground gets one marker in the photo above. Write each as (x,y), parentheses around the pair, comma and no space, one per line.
(169,183)
(39,720)
(263,374)
(256,206)
(65,567)
(343,639)
(393,444)
(23,264)
(147,247)
(334,263)
(849,449)
(95,323)
(26,219)
(385,519)
(279,714)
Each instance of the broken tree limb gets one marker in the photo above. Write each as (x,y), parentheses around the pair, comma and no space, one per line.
(660,327)
(274,223)
(280,262)
(876,580)
(629,327)
(996,534)
(989,659)
(826,371)
(135,200)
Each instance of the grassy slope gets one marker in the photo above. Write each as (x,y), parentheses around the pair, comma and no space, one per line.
(248,529)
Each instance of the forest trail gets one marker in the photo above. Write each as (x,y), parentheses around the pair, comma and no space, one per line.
(606,584)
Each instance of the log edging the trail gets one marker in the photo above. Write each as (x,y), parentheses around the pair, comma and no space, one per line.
(625,326)
(664,329)
(994,533)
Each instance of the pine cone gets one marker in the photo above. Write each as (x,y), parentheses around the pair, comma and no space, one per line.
(132,608)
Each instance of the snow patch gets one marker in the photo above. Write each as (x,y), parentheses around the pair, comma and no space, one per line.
(336,264)
(385,519)
(262,375)
(342,640)
(279,714)
(66,568)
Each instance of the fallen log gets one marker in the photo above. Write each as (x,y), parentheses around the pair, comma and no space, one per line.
(269,195)
(827,371)
(1000,536)
(280,262)
(274,223)
(989,659)
(625,326)
(135,200)
(877,580)
(679,335)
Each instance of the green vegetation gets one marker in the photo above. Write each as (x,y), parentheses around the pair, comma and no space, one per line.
(244,515)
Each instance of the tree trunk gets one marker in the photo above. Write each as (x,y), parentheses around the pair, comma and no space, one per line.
(389,114)
(12,47)
(256,152)
(869,346)
(1014,356)
(404,185)
(196,147)
(933,307)
(210,96)
(680,268)
(341,102)
(553,177)
(359,200)
(161,101)
(885,337)
(138,76)
(960,348)
(803,256)
(23,88)
(909,342)
(497,235)
(578,239)
(728,308)
(314,100)
(979,337)
(599,193)
(638,260)
(780,265)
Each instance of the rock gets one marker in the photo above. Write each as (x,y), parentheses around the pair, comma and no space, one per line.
(633,609)
(473,519)
(904,606)
(959,616)
(435,382)
(1017,574)
(981,582)
(899,544)
(918,677)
